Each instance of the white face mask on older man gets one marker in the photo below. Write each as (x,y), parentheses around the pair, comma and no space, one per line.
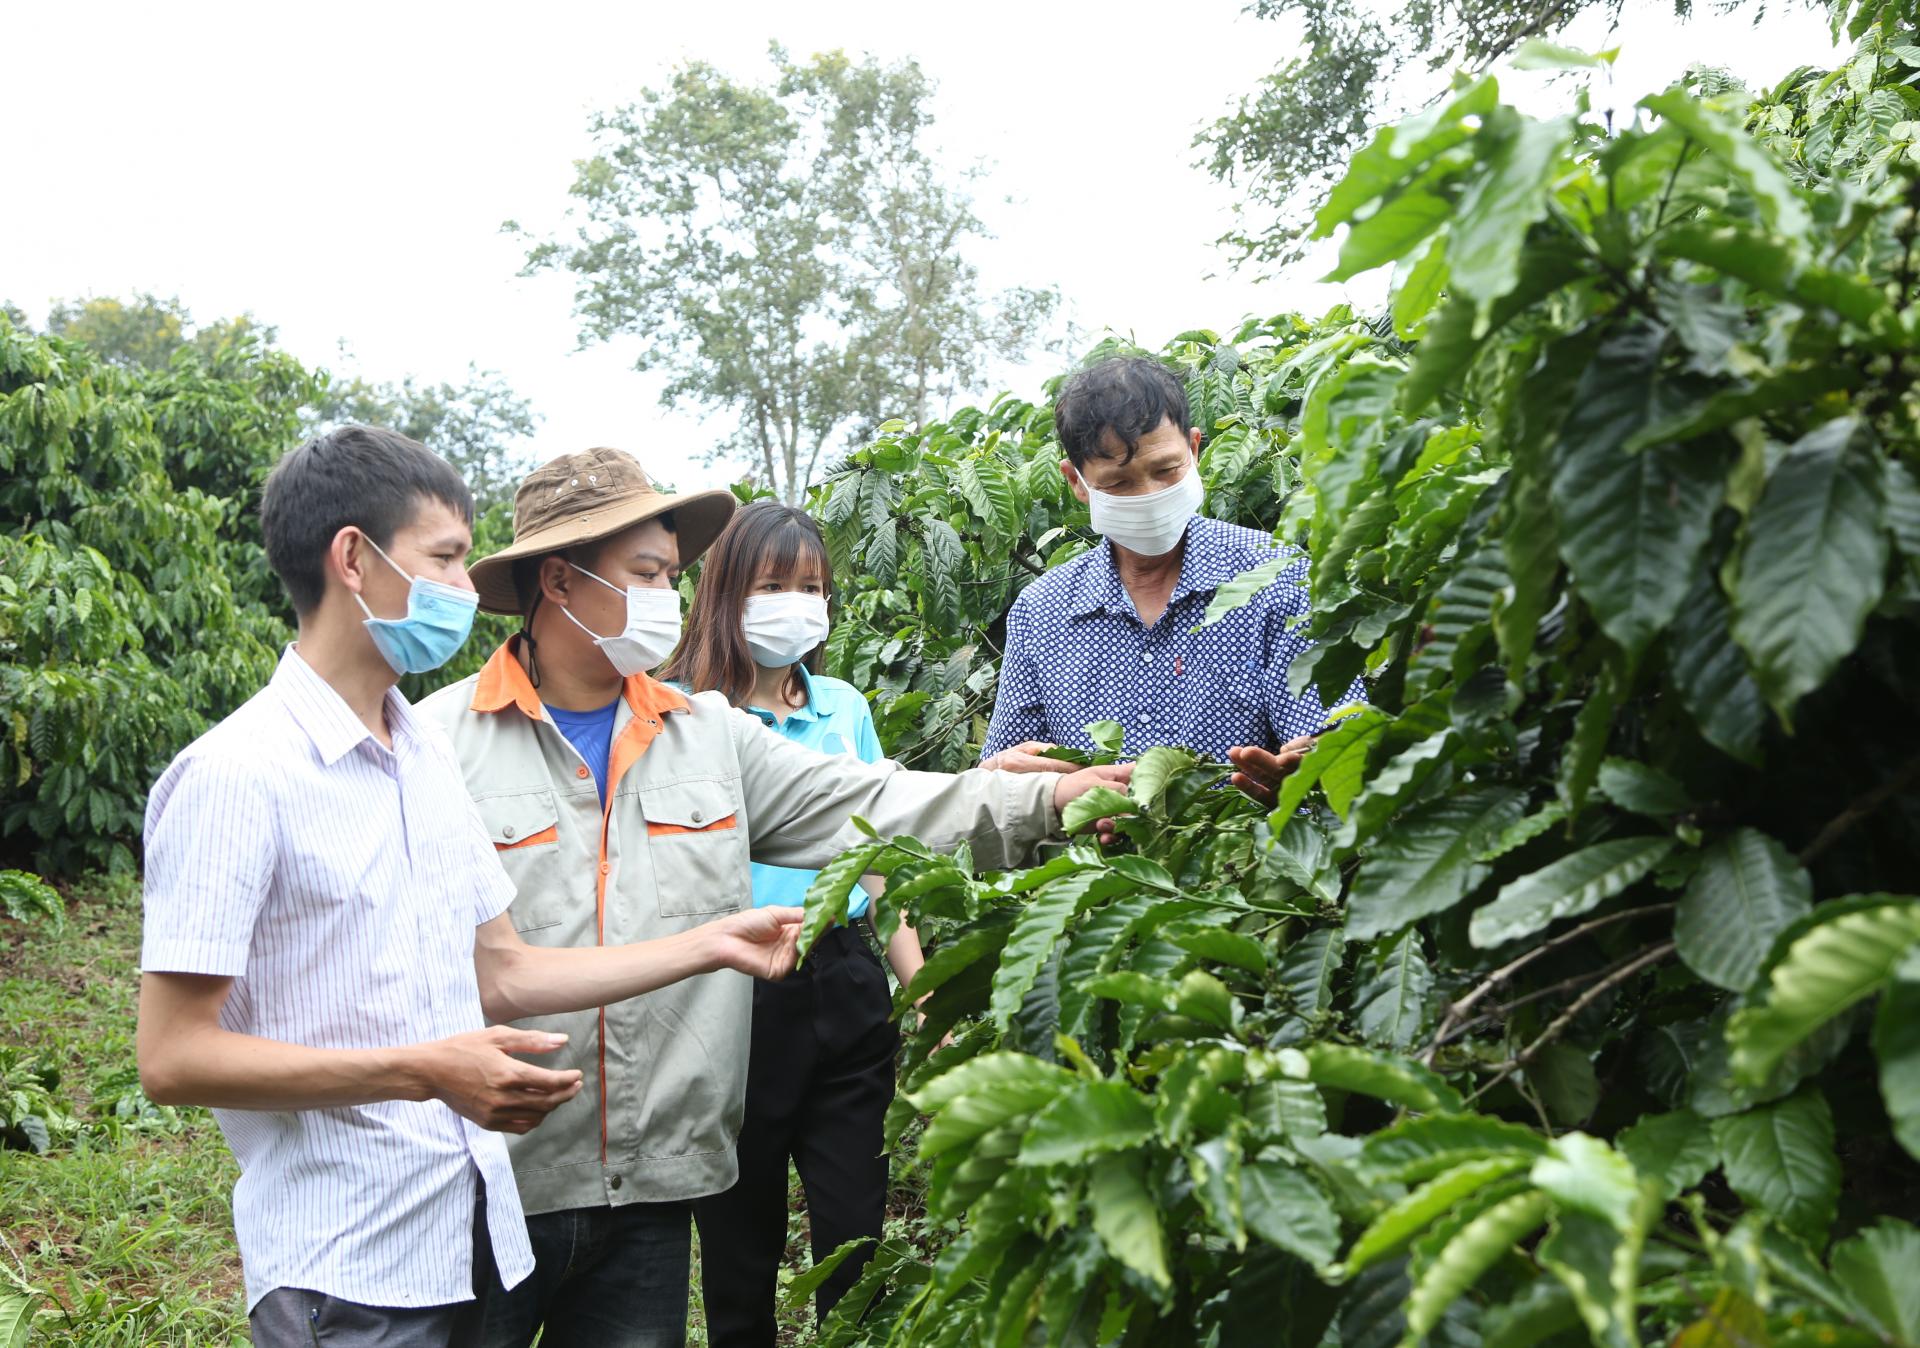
(1151,525)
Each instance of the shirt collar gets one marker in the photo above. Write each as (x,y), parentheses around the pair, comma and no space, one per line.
(329,722)
(503,683)
(1097,587)
(1207,563)
(806,711)
(1204,567)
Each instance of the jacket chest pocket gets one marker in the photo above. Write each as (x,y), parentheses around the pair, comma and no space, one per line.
(696,846)
(524,827)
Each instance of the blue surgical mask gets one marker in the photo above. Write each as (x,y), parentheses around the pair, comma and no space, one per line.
(439,617)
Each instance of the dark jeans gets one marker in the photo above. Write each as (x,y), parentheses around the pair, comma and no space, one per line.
(818,1086)
(293,1317)
(602,1278)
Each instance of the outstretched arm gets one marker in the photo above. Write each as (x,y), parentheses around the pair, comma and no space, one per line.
(518,980)
(801,805)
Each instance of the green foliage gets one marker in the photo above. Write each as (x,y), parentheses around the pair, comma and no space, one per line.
(32,1116)
(1297,141)
(135,603)
(145,333)
(24,896)
(1616,526)
(120,1235)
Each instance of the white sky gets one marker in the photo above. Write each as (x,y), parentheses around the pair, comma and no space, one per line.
(341,171)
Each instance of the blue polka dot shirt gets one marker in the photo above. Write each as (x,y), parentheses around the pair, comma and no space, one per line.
(1077,652)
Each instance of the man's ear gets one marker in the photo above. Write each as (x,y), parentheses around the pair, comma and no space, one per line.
(555,578)
(348,557)
(1194,439)
(1074,482)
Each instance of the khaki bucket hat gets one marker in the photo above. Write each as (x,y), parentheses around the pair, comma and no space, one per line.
(582,498)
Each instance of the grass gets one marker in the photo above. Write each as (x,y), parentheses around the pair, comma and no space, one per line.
(126,1232)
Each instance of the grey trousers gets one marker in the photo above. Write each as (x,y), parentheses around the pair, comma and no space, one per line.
(293,1317)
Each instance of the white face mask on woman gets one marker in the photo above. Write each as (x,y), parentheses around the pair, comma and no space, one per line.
(1151,525)
(782,628)
(651,633)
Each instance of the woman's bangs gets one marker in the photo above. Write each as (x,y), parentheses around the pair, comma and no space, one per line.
(789,546)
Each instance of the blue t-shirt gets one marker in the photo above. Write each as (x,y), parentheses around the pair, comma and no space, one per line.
(835,720)
(591,733)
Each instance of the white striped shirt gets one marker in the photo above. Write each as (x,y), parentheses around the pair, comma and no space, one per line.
(338,883)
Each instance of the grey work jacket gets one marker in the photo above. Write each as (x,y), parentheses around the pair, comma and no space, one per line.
(695,790)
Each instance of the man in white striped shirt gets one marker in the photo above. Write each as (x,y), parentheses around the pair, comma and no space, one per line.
(325,940)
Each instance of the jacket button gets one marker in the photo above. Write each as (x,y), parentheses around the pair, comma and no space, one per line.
(581,771)
(604,868)
(697,816)
(507,832)
(614,1183)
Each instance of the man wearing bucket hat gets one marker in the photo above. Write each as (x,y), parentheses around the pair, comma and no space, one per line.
(624,809)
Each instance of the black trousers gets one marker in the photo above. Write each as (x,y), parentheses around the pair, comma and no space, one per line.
(602,1278)
(818,1085)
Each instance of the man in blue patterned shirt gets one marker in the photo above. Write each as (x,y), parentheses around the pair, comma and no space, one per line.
(1110,635)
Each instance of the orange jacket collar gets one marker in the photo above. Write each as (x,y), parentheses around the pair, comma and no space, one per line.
(503,682)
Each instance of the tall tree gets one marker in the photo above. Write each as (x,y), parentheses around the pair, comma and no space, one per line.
(1285,143)
(788,251)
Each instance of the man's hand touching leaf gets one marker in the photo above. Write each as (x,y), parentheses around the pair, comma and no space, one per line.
(1260,771)
(1093,796)
(1027,757)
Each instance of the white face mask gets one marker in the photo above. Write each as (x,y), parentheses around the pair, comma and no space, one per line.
(1151,525)
(782,628)
(651,633)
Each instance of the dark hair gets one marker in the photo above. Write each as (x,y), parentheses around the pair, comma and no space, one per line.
(1128,395)
(372,479)
(713,652)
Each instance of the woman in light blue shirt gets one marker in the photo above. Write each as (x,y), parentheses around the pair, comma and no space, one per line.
(824,1042)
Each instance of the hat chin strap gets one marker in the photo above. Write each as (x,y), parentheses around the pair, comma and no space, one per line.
(530,659)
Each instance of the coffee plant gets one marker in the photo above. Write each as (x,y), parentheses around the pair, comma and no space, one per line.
(136,605)
(1572,990)
(135,601)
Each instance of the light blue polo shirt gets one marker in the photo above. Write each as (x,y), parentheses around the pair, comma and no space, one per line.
(835,720)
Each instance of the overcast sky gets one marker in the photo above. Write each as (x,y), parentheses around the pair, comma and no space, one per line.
(342,171)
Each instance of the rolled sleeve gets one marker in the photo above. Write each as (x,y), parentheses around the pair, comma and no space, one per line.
(209,863)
